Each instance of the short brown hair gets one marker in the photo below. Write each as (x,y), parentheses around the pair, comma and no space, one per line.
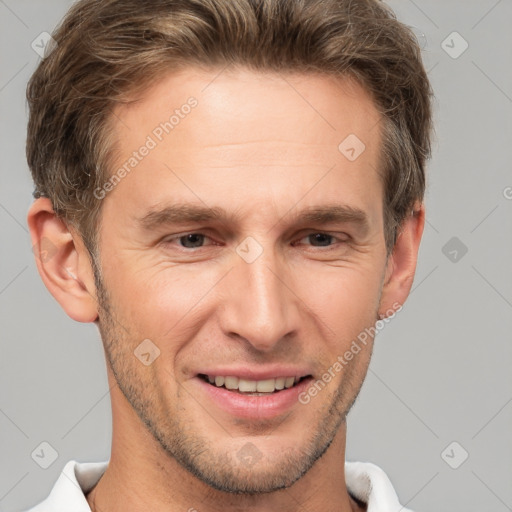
(109,50)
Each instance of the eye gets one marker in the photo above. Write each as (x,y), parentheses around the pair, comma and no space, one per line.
(188,240)
(321,239)
(192,240)
(196,240)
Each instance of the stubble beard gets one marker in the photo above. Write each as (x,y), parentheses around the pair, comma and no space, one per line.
(215,466)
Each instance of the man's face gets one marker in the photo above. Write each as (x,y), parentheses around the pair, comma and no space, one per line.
(260,291)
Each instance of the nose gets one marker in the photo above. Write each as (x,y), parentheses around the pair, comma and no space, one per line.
(258,303)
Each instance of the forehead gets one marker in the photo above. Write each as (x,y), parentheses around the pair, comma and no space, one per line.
(240,105)
(275,132)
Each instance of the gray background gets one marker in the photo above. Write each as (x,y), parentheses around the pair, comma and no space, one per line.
(441,371)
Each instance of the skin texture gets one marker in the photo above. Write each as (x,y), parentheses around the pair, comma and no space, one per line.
(264,147)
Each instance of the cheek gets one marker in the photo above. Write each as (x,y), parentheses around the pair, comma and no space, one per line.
(346,299)
(161,300)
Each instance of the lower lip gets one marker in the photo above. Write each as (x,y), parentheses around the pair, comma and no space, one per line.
(254,407)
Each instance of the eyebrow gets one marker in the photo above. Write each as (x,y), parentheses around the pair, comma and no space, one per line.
(185,213)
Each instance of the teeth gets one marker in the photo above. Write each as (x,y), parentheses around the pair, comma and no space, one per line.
(253,386)
(288,383)
(246,386)
(266,386)
(280,382)
(231,382)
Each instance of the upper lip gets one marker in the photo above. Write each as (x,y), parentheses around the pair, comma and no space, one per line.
(269,372)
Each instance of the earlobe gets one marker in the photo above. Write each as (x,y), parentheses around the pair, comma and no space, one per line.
(63,262)
(401,265)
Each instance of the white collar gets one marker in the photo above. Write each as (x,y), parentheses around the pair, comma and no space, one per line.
(365,481)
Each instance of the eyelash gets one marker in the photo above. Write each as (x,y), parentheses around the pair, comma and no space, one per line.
(188,249)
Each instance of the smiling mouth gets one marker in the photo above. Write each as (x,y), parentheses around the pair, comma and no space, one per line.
(253,387)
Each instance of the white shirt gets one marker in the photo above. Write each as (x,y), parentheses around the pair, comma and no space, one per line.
(365,481)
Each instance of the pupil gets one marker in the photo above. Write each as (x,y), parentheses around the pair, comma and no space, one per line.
(319,237)
(195,239)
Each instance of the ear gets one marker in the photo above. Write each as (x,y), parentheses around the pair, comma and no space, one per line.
(63,262)
(401,265)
